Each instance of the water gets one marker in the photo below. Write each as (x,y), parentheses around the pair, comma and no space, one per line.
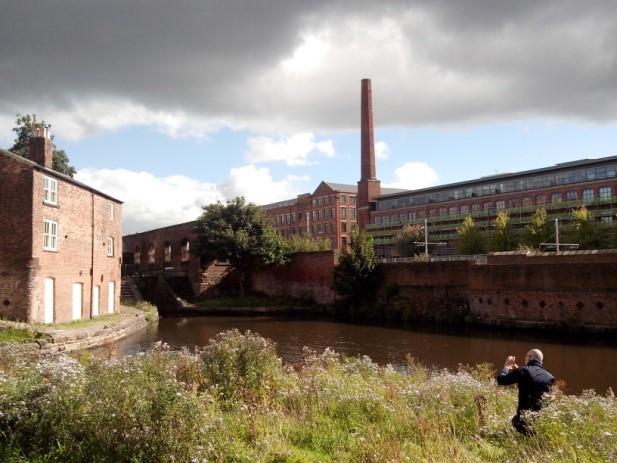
(581,363)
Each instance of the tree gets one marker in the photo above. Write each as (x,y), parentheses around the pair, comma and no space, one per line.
(21,146)
(240,233)
(304,243)
(585,231)
(355,276)
(407,238)
(538,230)
(470,239)
(503,238)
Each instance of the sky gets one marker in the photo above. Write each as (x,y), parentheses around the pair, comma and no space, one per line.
(170,106)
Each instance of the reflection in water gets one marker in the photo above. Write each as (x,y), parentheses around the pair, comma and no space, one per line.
(581,365)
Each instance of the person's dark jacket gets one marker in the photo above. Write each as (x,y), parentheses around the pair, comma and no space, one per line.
(533,381)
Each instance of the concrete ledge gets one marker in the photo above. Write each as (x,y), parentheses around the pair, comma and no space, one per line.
(68,340)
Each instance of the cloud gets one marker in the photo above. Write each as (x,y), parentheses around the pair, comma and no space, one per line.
(294,66)
(413,175)
(382,150)
(152,202)
(293,150)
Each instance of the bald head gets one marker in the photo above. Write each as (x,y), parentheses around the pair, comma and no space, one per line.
(535,354)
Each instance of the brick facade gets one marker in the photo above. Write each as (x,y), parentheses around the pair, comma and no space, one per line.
(84,229)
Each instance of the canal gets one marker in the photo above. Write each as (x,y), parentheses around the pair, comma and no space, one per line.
(583,363)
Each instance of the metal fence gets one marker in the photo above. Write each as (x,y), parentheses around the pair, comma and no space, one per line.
(478,259)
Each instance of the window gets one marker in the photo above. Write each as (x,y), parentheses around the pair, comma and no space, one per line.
(442,211)
(604,193)
(50,190)
(110,246)
(50,236)
(475,208)
(343,212)
(137,255)
(464,210)
(151,254)
(454,210)
(344,242)
(343,199)
(321,214)
(527,201)
(111,211)
(352,213)
(607,218)
(333,213)
(541,199)
(167,252)
(320,228)
(571,196)
(488,206)
(352,200)
(588,195)
(314,214)
(500,205)
(344,227)
(555,198)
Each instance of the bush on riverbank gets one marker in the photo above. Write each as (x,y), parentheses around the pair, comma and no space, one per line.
(234,401)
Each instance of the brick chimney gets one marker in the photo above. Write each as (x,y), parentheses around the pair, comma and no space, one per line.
(41,146)
(369,188)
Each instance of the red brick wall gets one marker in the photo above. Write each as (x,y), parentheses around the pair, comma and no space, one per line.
(309,275)
(85,223)
(16,233)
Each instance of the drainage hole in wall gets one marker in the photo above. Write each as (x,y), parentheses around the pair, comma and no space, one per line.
(579,305)
(489,301)
(506,301)
(6,303)
(525,303)
(542,304)
(481,301)
(599,305)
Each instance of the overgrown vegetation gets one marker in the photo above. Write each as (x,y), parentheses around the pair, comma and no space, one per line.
(304,243)
(355,276)
(470,239)
(407,239)
(234,401)
(17,335)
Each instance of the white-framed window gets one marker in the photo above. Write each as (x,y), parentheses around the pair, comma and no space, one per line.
(604,193)
(500,205)
(50,235)
(110,246)
(50,190)
(588,195)
(111,211)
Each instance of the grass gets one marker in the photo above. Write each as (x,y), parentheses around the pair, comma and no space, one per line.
(252,301)
(234,401)
(86,322)
(17,335)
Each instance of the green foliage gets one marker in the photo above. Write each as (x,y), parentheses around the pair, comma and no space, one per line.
(234,402)
(470,239)
(538,230)
(407,238)
(17,335)
(21,146)
(305,243)
(503,237)
(355,276)
(586,232)
(240,233)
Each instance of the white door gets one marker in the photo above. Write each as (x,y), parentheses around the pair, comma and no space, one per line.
(96,300)
(48,300)
(77,300)
(111,297)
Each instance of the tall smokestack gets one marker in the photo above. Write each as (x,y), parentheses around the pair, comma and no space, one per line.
(41,147)
(369,188)
(368,170)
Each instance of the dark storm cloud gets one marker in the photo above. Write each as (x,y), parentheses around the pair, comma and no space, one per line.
(432,61)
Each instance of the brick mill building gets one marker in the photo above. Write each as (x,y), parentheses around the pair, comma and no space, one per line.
(60,249)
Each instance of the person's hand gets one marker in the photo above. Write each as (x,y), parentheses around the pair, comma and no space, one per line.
(510,363)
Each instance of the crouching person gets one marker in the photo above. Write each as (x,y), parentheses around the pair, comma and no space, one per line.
(533,382)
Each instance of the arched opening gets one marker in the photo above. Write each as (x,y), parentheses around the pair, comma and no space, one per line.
(151,254)
(185,250)
(167,252)
(137,255)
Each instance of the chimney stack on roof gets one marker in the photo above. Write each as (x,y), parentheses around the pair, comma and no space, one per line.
(41,145)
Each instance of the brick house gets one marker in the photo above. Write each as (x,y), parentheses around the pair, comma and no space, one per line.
(60,250)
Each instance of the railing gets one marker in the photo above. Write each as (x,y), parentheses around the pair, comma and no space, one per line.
(477,258)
